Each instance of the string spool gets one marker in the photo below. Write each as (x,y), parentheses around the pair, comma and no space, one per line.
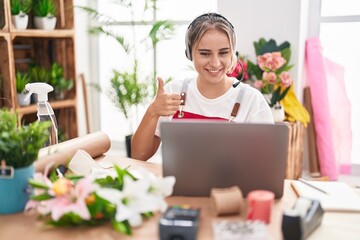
(227,201)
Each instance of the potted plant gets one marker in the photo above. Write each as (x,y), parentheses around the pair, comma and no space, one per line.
(19,148)
(37,74)
(127,92)
(57,80)
(21,80)
(19,13)
(44,14)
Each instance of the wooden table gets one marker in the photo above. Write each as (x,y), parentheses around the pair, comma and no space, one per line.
(21,226)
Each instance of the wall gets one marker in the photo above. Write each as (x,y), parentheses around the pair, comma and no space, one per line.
(282,20)
(85,58)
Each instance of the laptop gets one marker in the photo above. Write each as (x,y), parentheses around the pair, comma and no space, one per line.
(212,154)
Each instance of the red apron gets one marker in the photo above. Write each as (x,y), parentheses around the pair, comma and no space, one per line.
(180,114)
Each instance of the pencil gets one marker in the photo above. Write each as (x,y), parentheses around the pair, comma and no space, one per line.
(310,185)
(296,190)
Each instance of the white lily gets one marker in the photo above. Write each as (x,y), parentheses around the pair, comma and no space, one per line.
(159,187)
(131,201)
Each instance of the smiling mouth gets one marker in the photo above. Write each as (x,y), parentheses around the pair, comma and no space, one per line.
(214,70)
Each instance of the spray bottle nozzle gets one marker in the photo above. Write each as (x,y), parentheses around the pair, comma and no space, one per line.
(40,88)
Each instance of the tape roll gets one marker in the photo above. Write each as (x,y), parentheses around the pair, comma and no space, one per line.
(260,204)
(227,201)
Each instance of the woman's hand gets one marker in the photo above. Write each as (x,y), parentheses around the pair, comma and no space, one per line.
(164,104)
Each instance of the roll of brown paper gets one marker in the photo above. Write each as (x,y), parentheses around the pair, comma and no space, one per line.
(227,201)
(95,144)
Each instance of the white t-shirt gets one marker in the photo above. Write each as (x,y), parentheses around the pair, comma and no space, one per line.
(253,106)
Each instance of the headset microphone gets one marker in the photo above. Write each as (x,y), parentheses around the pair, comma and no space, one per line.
(242,73)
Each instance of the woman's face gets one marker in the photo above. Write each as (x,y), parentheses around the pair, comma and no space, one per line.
(212,56)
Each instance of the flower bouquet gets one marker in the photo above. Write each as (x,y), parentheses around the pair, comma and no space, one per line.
(270,75)
(123,199)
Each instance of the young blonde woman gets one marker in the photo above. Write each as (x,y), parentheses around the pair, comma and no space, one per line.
(210,45)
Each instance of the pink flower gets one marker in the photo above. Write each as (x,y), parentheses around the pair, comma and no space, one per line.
(67,198)
(62,186)
(262,59)
(285,79)
(270,77)
(258,84)
(236,71)
(75,201)
(271,61)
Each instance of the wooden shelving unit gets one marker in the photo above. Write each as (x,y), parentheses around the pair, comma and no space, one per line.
(21,48)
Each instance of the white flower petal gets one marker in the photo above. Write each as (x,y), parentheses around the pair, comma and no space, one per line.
(135,220)
(123,212)
(112,195)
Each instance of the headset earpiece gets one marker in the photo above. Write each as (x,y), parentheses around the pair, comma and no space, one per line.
(187,45)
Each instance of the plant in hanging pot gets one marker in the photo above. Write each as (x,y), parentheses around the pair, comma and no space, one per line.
(44,14)
(19,13)
(21,80)
(19,148)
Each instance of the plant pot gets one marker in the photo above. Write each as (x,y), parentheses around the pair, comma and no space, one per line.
(20,21)
(128,145)
(21,100)
(278,112)
(60,94)
(46,23)
(14,192)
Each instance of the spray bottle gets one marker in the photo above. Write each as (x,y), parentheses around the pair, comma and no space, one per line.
(44,110)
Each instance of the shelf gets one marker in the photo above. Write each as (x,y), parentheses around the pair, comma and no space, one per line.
(33,33)
(21,50)
(55,105)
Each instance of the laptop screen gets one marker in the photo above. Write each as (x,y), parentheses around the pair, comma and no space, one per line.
(212,154)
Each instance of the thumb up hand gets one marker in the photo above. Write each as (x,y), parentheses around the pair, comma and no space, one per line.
(164,104)
(160,88)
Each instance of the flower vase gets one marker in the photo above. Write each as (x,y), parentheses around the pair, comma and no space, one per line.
(278,112)
(14,191)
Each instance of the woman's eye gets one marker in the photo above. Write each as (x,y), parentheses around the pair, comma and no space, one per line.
(204,54)
(223,53)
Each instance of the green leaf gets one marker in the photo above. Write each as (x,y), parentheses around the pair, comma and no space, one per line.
(19,146)
(43,8)
(37,184)
(161,30)
(277,95)
(123,227)
(119,38)
(42,197)
(286,54)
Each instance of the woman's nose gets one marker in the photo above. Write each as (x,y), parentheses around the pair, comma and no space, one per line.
(215,61)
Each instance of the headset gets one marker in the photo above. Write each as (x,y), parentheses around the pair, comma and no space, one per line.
(188,47)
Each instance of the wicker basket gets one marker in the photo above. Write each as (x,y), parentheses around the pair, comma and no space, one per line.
(294,163)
